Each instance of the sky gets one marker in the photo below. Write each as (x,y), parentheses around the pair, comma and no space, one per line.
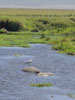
(52,4)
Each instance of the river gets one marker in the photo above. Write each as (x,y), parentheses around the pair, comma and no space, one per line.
(15,84)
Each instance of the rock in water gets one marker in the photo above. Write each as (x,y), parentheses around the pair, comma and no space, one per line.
(29,61)
(31,69)
(45,74)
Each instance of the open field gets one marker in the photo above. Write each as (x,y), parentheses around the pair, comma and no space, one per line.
(30,12)
(19,27)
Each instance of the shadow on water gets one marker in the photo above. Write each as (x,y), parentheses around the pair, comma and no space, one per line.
(14,84)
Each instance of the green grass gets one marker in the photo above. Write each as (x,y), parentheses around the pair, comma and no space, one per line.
(62,44)
(41,85)
(13,40)
(65,45)
(50,22)
(56,27)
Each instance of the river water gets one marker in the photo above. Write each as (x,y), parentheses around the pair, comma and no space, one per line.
(15,84)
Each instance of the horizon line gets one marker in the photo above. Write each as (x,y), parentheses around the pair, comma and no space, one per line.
(33,8)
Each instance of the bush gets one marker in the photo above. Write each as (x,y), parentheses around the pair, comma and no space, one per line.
(66,47)
(43,21)
(63,45)
(35,30)
(42,36)
(70,51)
(48,38)
(11,25)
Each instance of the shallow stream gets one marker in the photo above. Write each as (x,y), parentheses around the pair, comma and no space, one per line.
(15,84)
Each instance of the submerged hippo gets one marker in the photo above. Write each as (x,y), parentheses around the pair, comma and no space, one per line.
(45,74)
(37,71)
(31,69)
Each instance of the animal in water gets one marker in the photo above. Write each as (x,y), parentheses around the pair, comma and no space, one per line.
(45,74)
(37,71)
(31,69)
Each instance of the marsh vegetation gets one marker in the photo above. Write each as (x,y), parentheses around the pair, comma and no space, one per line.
(19,27)
(41,85)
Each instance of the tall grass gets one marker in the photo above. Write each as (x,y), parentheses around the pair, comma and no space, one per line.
(53,22)
(19,27)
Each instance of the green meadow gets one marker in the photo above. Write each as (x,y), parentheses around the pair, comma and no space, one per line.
(20,27)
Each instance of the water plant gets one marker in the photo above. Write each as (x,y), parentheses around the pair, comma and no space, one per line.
(71,95)
(16,54)
(41,84)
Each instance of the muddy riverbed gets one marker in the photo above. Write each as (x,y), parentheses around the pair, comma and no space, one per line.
(15,84)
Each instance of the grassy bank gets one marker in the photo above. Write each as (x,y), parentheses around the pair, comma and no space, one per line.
(19,27)
(62,44)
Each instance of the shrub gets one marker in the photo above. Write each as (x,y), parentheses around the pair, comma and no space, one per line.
(48,38)
(42,36)
(35,30)
(63,45)
(69,31)
(43,21)
(66,47)
(11,25)
(70,51)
